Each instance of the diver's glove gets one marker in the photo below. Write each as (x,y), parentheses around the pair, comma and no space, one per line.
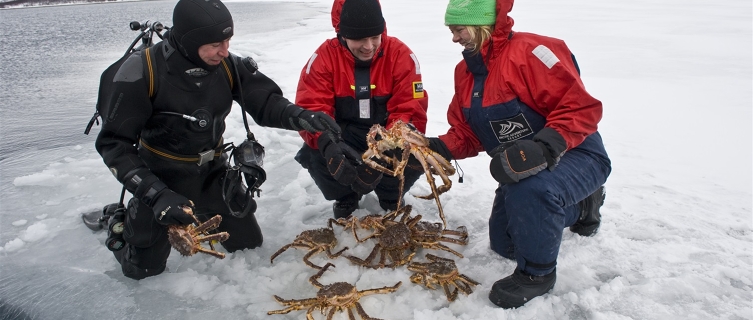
(315,122)
(341,159)
(520,159)
(168,208)
(166,204)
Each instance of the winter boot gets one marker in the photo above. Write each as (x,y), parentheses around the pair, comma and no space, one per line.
(344,206)
(389,205)
(520,287)
(590,218)
(98,219)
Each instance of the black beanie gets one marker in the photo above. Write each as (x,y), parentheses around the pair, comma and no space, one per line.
(361,19)
(199,22)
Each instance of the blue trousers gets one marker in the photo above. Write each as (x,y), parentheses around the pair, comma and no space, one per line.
(528,217)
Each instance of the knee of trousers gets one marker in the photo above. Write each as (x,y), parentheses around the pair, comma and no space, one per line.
(245,233)
(139,263)
(499,239)
(531,199)
(140,228)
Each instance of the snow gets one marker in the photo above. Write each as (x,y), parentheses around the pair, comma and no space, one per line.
(676,240)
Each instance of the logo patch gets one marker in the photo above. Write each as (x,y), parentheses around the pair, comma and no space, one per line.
(511,129)
(197,72)
(418,90)
(227,30)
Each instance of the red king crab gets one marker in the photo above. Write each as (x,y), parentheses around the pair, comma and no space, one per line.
(399,240)
(404,136)
(354,223)
(443,272)
(317,240)
(331,298)
(187,239)
(430,234)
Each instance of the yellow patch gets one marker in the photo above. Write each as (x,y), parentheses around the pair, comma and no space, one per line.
(418,90)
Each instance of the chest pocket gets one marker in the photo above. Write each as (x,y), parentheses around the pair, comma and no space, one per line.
(504,122)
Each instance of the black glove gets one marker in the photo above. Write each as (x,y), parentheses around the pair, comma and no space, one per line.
(341,158)
(317,122)
(517,160)
(436,145)
(366,180)
(168,208)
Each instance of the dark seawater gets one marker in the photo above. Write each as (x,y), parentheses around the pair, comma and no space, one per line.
(50,65)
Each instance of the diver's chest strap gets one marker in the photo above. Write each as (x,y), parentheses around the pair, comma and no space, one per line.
(200,159)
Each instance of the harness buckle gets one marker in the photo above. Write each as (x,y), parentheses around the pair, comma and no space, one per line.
(205,157)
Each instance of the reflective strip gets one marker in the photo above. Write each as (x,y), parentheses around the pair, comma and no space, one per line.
(311,61)
(229,75)
(151,71)
(415,61)
(546,56)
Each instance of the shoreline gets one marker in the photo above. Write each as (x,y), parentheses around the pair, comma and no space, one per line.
(24,4)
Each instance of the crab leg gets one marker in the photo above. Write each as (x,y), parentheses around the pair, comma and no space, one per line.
(222,236)
(309,254)
(433,186)
(210,252)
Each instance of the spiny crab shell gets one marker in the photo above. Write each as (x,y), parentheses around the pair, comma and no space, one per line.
(187,239)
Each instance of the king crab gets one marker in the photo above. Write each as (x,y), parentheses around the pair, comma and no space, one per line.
(406,137)
(187,239)
(430,234)
(399,240)
(443,272)
(317,240)
(331,298)
(372,222)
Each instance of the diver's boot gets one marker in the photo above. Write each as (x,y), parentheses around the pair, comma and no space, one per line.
(97,220)
(520,287)
(590,217)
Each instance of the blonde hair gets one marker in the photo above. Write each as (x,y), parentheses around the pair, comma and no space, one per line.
(479,35)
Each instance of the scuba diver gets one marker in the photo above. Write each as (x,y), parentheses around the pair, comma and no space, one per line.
(162,131)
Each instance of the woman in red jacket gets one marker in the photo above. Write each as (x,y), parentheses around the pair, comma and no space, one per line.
(361,78)
(519,97)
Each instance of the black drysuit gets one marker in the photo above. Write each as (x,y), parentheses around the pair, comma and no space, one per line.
(146,135)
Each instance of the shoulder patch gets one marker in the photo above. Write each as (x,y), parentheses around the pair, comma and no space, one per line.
(132,69)
(546,56)
(418,90)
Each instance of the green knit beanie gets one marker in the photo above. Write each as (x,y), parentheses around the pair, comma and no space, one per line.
(470,13)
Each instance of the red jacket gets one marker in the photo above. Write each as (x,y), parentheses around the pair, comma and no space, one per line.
(327,84)
(522,68)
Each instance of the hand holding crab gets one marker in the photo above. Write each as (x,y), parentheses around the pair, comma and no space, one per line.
(187,239)
(413,143)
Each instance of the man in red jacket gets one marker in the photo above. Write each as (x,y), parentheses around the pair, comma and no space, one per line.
(361,78)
